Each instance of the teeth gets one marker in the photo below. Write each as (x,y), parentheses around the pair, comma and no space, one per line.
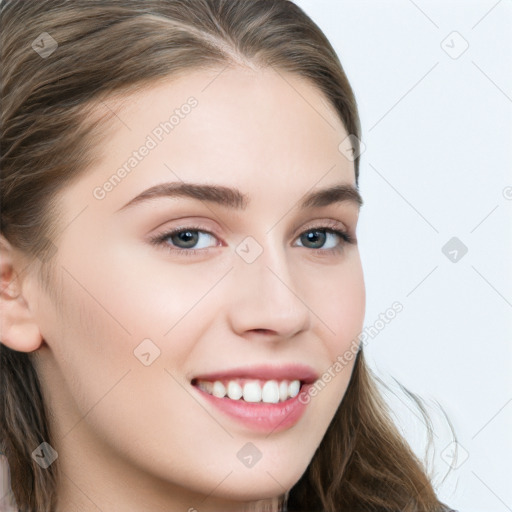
(252,392)
(234,390)
(270,392)
(283,390)
(206,386)
(219,390)
(293,388)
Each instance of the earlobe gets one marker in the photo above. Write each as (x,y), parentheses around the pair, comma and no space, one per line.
(18,329)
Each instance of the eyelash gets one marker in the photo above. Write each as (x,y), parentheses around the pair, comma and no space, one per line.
(161,239)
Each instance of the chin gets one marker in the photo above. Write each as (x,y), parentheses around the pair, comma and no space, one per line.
(250,484)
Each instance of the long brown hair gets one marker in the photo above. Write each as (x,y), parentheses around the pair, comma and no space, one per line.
(363,463)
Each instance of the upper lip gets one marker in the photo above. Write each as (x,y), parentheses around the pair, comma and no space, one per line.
(301,372)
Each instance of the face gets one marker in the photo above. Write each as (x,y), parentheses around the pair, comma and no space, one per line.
(166,297)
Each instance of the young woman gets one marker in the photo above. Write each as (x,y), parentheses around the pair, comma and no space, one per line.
(182,293)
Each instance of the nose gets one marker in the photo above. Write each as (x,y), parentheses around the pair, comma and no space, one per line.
(265,297)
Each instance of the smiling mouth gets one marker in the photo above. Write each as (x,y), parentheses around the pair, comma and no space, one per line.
(270,391)
(262,398)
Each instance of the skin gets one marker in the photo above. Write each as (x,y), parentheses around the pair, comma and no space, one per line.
(132,437)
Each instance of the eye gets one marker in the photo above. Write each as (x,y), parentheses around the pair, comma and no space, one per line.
(321,235)
(193,240)
(184,240)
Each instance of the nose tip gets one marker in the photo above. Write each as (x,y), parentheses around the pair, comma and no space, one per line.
(264,304)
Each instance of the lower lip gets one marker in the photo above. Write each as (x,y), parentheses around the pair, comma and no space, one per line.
(260,416)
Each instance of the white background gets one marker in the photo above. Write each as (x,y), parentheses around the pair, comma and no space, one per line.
(437,164)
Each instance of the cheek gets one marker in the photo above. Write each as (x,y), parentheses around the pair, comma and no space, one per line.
(103,392)
(147,291)
(341,309)
(341,306)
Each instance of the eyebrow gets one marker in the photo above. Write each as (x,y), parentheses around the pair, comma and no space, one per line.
(234,199)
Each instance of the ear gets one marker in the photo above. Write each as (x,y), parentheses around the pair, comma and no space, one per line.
(18,329)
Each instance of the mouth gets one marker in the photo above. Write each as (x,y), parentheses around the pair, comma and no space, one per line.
(265,399)
(251,390)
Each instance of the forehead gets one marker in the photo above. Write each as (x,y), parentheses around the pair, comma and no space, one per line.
(254,129)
